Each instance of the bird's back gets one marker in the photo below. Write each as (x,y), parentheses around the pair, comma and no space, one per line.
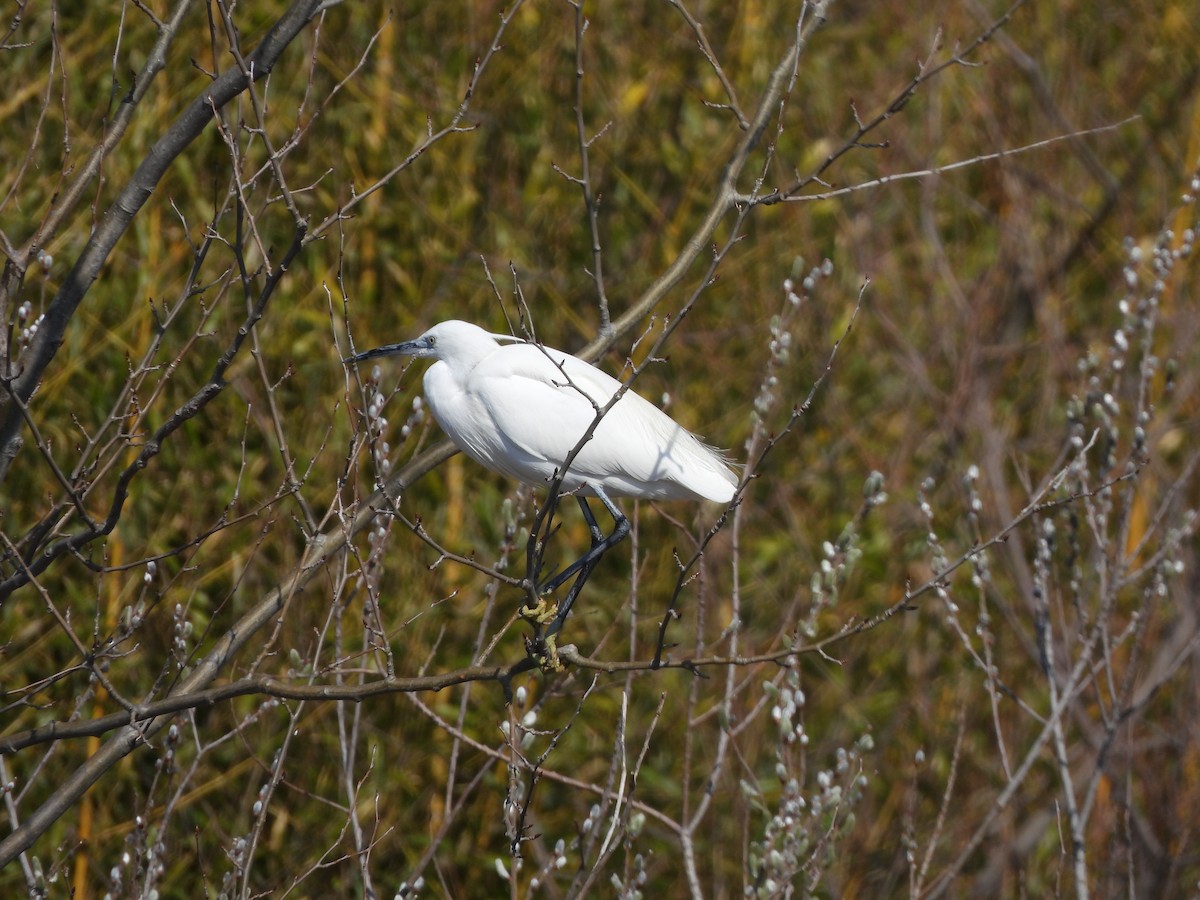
(524,408)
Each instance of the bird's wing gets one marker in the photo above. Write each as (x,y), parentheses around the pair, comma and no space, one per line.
(543,401)
(540,400)
(657,455)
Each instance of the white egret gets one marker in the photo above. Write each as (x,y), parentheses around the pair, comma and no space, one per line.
(521,409)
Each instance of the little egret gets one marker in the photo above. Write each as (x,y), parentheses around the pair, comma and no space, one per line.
(521,409)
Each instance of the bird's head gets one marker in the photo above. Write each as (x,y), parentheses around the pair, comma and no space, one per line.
(453,342)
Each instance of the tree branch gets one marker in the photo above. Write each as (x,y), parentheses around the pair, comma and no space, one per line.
(190,124)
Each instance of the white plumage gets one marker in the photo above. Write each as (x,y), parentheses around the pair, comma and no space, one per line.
(521,408)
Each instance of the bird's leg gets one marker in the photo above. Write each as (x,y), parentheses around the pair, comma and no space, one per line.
(543,613)
(549,619)
(600,546)
(593,528)
(537,610)
(585,565)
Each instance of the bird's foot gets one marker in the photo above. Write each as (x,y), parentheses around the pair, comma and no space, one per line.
(541,613)
(544,652)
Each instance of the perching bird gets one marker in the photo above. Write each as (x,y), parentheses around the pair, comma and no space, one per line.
(521,408)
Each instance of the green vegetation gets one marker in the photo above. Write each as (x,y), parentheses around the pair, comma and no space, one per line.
(973,675)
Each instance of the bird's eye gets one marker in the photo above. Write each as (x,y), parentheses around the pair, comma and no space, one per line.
(432,341)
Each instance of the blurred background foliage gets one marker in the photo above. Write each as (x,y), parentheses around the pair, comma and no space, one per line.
(988,284)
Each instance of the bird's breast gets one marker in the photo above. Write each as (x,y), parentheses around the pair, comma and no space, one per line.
(463,410)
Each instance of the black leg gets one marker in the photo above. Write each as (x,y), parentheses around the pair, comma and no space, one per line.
(600,544)
(594,552)
(585,565)
(593,528)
